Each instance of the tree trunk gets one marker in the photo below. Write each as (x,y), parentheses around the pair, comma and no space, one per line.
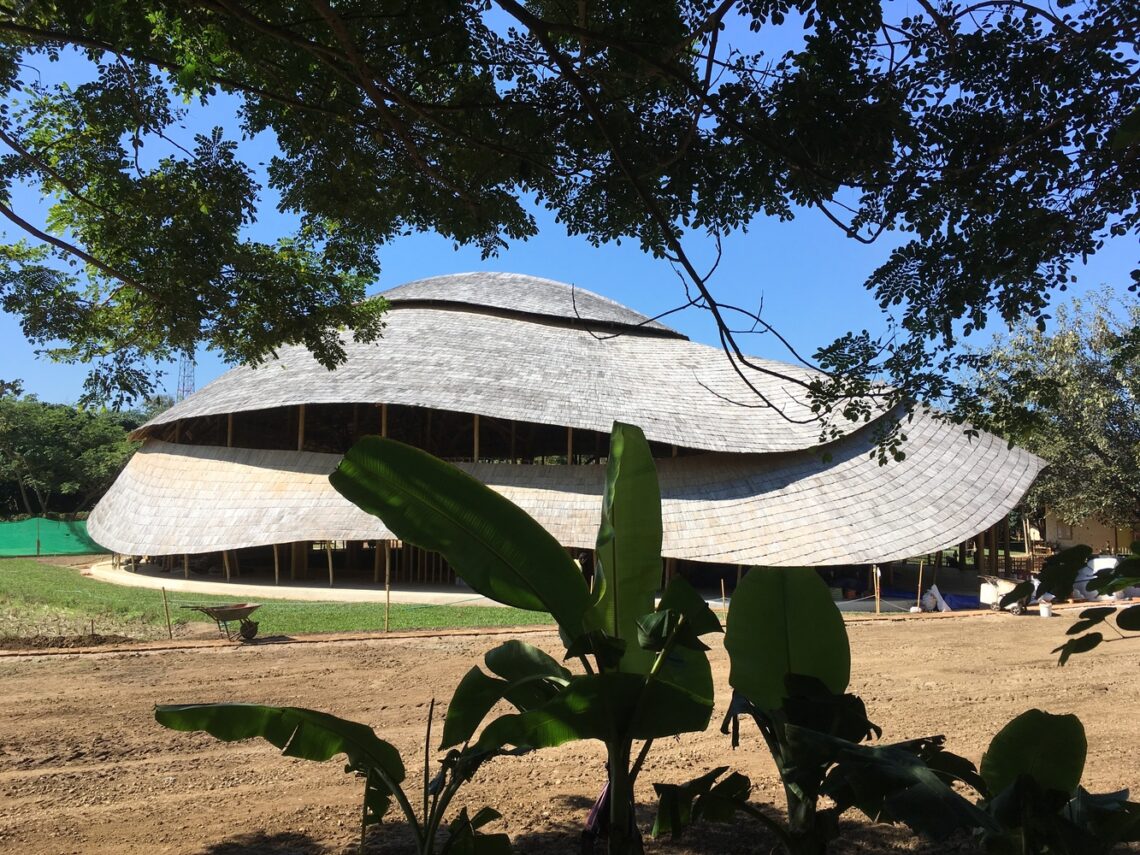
(24,496)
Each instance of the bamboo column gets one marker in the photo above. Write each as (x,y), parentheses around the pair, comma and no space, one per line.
(185,566)
(383,420)
(569,445)
(993,538)
(226,563)
(230,430)
(387,583)
(276,566)
(1007,555)
(328,554)
(301,428)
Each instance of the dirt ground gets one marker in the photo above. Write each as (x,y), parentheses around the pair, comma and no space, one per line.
(85,769)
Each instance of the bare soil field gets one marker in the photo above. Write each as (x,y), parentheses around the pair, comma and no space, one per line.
(85,769)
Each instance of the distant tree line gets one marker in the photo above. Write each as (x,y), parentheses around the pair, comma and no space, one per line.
(59,458)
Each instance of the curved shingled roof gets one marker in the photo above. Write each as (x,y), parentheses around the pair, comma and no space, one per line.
(790,509)
(485,361)
(517,295)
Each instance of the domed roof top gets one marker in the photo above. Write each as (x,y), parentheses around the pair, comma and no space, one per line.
(478,352)
(521,296)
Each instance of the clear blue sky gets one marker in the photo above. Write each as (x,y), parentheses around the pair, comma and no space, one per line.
(808,275)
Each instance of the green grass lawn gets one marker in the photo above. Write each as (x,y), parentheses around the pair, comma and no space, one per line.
(38,598)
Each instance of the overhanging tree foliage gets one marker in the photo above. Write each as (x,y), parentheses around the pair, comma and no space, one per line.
(999,139)
(1073,397)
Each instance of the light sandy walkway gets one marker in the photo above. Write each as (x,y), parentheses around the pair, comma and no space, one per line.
(149,576)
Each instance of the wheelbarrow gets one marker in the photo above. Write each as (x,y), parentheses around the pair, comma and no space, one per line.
(227,613)
(993,588)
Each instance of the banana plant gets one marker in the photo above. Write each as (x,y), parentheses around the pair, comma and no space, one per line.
(644,673)
(312,735)
(1030,785)
(790,668)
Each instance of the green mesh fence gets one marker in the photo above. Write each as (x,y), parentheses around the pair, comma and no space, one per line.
(39,536)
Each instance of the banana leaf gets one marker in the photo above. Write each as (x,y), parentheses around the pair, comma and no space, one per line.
(627,569)
(494,545)
(526,677)
(782,621)
(1049,749)
(298,732)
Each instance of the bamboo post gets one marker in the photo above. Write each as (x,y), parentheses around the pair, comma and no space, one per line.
(226,563)
(387,583)
(875,577)
(328,554)
(237,564)
(185,566)
(918,596)
(475,441)
(383,420)
(1007,555)
(230,430)
(723,597)
(276,566)
(166,608)
(301,428)
(569,445)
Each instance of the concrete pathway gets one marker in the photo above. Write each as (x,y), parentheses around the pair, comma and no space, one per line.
(149,576)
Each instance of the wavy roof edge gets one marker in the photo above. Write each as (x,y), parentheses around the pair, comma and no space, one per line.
(794,509)
(523,296)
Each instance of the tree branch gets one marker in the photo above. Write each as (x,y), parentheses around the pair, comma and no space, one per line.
(71,249)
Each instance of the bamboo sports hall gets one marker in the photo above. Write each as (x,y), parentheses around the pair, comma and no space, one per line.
(517,380)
